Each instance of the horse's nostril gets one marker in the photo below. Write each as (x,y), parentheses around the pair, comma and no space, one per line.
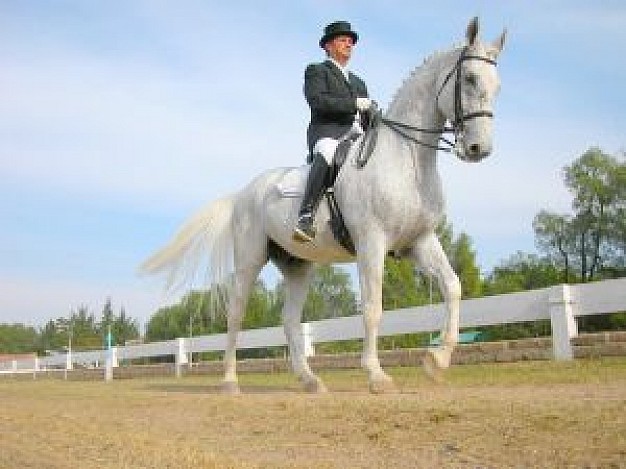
(474,149)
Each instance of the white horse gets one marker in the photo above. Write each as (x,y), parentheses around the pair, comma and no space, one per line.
(392,203)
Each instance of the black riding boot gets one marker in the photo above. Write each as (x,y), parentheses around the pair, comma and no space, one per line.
(304,230)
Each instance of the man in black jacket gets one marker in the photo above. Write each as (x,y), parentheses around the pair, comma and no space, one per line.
(337,98)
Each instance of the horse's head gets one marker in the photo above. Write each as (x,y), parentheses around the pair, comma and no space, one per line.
(467,91)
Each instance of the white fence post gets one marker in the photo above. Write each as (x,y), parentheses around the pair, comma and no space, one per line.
(181,356)
(564,325)
(114,361)
(108,367)
(110,362)
(307,342)
(69,365)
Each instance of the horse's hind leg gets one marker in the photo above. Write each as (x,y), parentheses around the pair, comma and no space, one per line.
(237,300)
(250,255)
(429,255)
(298,275)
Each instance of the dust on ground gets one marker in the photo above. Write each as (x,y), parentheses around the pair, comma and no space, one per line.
(521,415)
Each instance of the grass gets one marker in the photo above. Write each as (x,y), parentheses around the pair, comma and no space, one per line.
(528,414)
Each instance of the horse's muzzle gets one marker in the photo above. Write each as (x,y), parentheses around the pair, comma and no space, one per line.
(473,152)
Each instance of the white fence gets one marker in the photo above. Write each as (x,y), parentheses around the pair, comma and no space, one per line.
(561,304)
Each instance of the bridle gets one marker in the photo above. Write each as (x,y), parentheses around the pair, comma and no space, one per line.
(457,126)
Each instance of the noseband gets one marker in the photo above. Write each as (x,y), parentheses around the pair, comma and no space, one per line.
(457,126)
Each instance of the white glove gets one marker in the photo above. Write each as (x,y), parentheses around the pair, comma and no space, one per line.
(363,104)
(355,131)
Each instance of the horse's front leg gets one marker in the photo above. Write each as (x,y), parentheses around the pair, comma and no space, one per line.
(371,260)
(429,255)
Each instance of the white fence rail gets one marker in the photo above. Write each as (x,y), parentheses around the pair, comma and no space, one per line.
(561,304)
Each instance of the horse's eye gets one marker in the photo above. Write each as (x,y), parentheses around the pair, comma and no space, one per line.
(470,79)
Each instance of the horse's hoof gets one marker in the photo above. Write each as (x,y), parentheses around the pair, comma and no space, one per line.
(230,387)
(432,367)
(382,385)
(315,386)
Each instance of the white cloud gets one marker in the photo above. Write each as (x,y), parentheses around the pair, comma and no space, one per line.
(113,129)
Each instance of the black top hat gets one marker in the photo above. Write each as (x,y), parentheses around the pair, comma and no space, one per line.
(338,28)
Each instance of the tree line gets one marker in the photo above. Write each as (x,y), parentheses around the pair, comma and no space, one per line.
(80,330)
(586,244)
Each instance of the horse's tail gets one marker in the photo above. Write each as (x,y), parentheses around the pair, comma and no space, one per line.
(207,237)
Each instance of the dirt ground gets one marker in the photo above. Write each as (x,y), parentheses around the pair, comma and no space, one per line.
(521,415)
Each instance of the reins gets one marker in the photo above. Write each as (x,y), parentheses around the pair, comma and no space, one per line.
(401,128)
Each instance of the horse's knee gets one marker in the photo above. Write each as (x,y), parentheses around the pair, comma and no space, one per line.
(453,290)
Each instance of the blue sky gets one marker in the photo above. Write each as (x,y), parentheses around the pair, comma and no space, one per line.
(119,119)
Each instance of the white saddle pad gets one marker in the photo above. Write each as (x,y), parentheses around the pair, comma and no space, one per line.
(293,182)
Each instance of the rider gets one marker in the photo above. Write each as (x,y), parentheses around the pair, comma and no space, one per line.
(338,100)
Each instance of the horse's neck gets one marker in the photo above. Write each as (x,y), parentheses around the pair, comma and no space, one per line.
(415,104)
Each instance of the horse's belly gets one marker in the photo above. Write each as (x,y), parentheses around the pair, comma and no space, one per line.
(280,218)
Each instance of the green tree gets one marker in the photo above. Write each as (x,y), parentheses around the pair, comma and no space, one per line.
(554,235)
(402,288)
(259,310)
(165,324)
(84,329)
(197,313)
(18,338)
(330,294)
(591,239)
(54,335)
(204,312)
(80,328)
(108,317)
(122,326)
(463,260)
(521,272)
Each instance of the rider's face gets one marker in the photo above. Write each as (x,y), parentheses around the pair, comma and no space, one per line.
(340,48)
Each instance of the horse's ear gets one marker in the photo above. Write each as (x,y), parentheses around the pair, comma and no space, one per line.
(497,45)
(472,31)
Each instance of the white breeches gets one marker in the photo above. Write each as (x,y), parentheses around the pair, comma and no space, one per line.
(326,147)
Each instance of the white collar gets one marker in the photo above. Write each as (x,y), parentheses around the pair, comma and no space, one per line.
(344,70)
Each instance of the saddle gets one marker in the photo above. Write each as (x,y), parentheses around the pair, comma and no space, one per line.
(292,186)
(293,182)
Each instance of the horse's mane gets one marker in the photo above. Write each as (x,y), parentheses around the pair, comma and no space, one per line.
(415,73)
